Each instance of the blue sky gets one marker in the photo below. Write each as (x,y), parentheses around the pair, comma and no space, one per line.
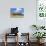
(14,10)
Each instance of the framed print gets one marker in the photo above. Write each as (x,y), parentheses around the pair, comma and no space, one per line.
(41,8)
(41,12)
(17,12)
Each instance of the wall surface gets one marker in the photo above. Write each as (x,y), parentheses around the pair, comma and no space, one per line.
(23,23)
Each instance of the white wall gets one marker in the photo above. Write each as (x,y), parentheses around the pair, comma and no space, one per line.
(23,23)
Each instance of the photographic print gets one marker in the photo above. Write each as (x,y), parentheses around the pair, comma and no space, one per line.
(17,12)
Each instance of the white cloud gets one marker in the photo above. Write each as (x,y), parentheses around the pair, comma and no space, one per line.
(18,10)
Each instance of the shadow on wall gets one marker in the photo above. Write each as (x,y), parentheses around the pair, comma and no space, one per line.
(7,30)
